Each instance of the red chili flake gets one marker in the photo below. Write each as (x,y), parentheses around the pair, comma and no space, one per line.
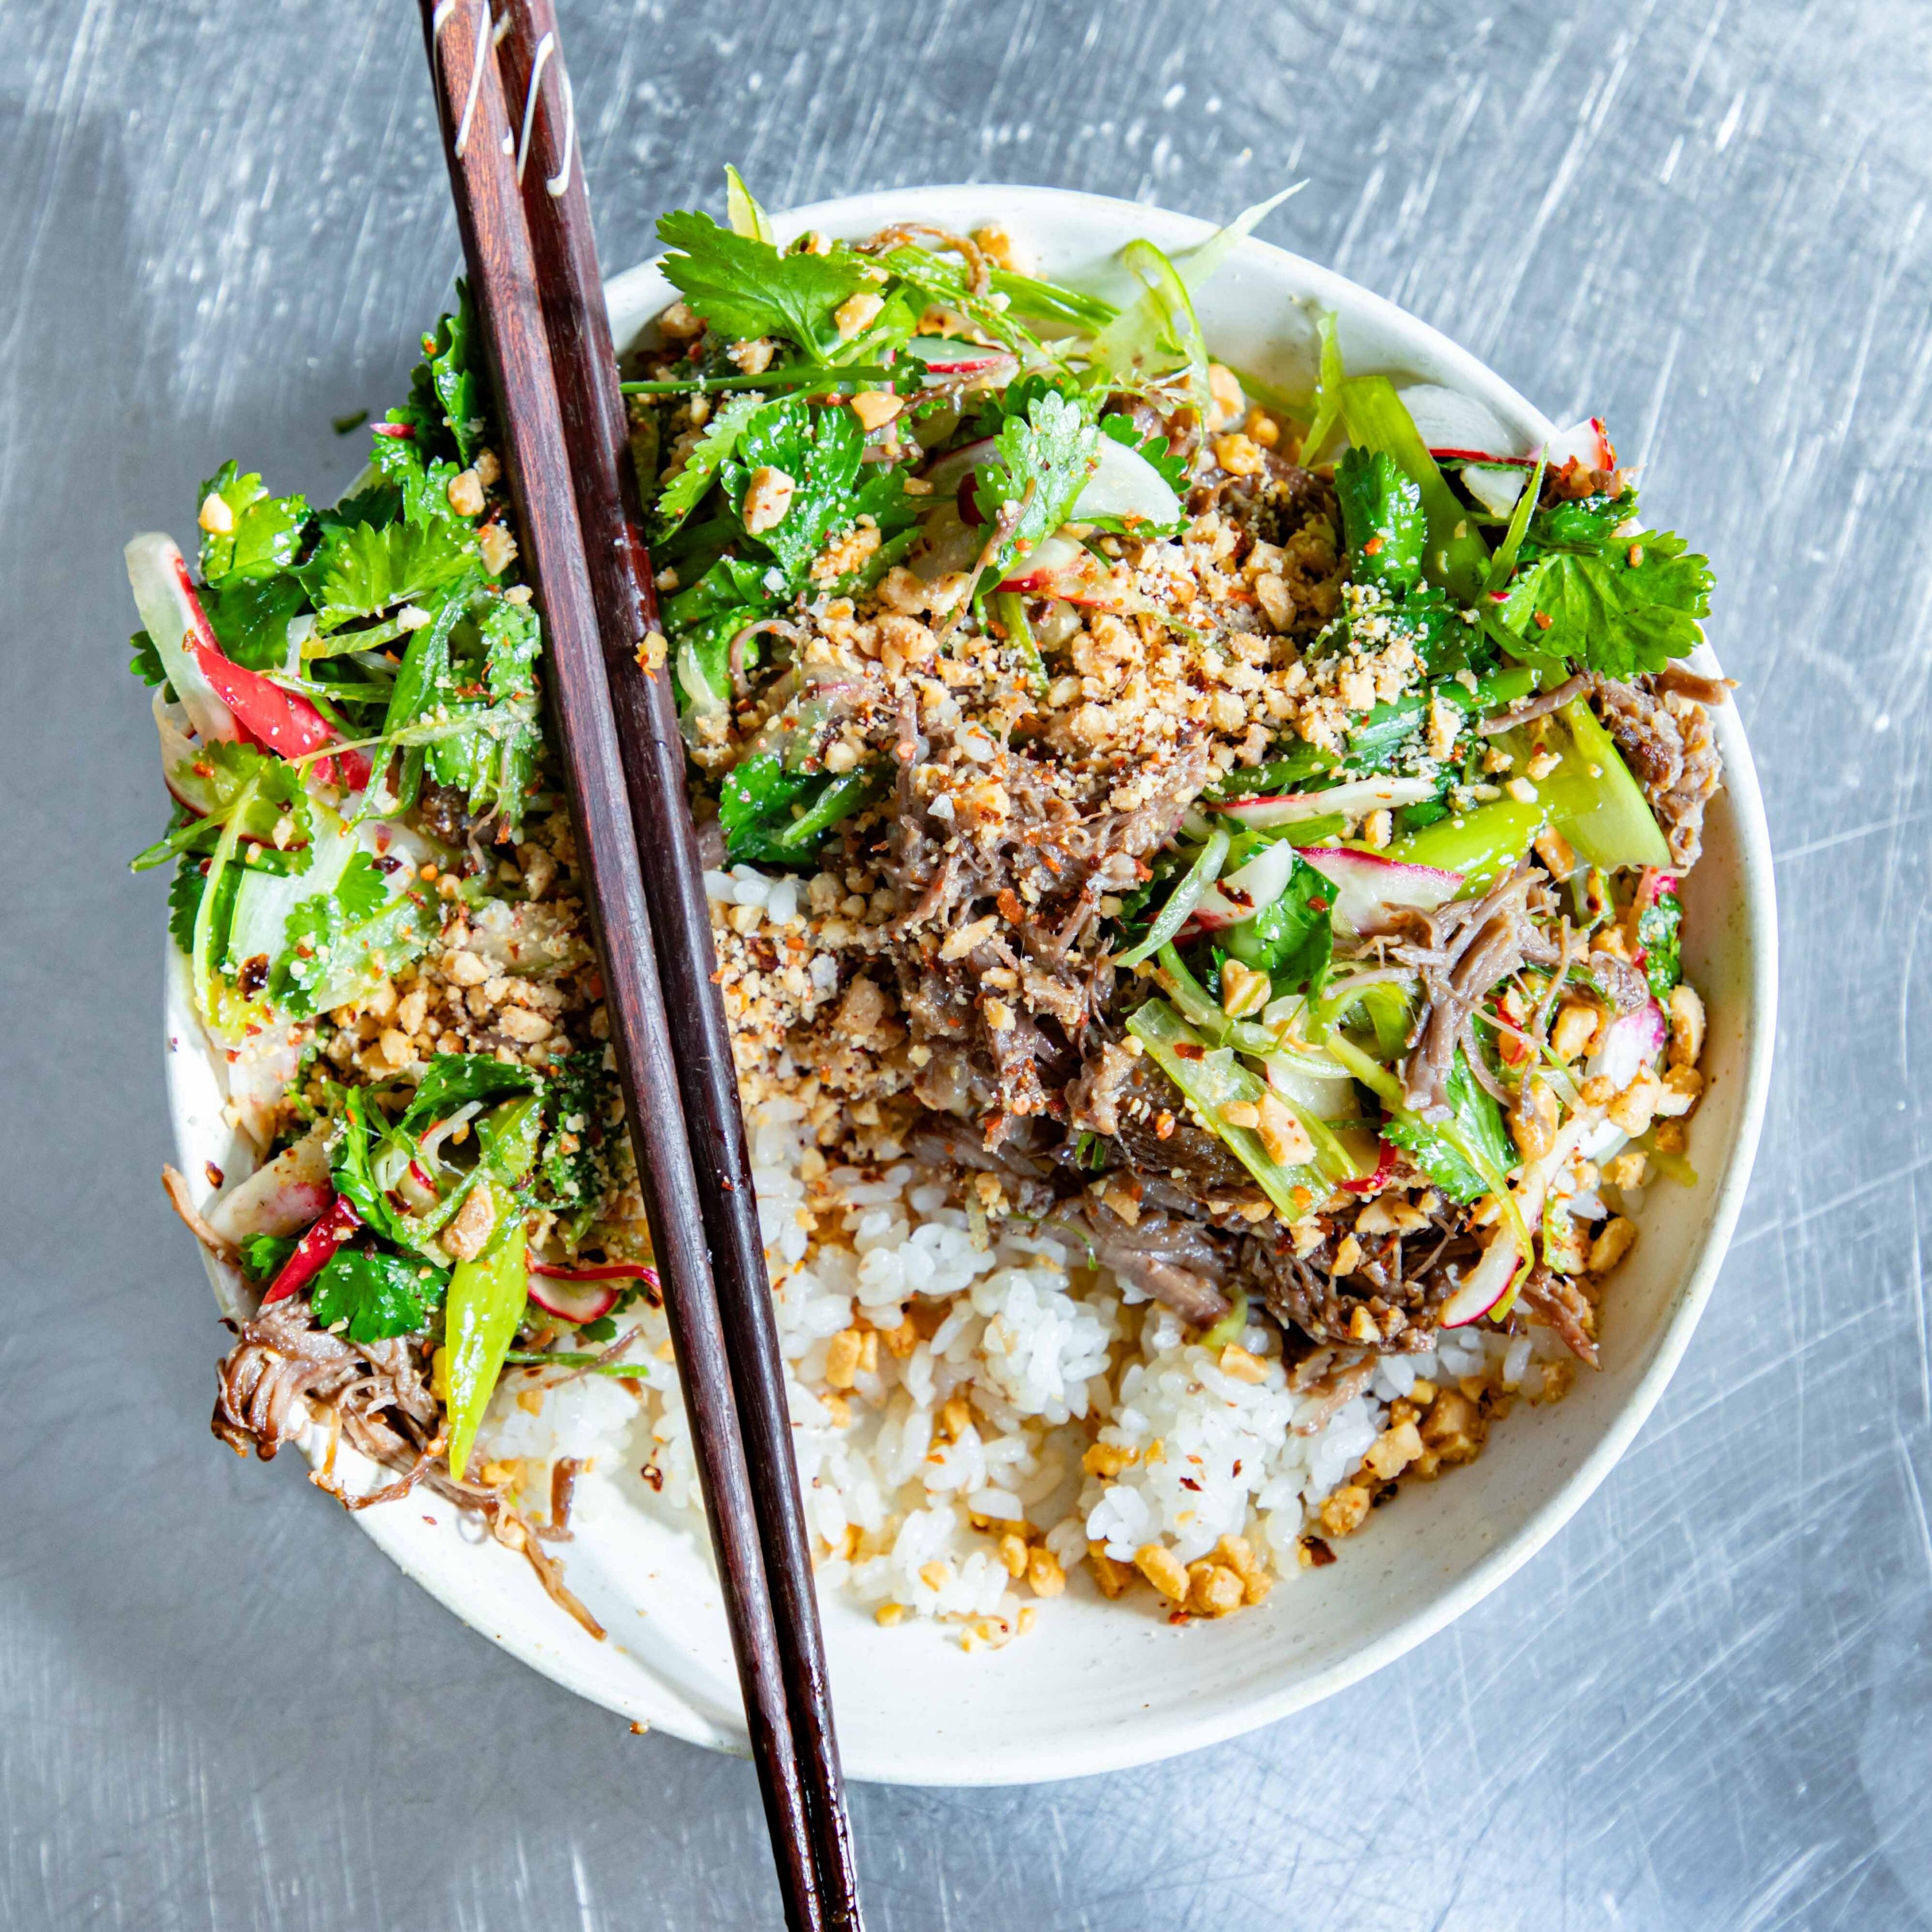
(1009,904)
(1316,903)
(254,975)
(215,1176)
(1319,1554)
(1163,1126)
(1189,1482)
(1636,555)
(653,1475)
(1544,620)
(1373,548)
(1186,1049)
(1237,1469)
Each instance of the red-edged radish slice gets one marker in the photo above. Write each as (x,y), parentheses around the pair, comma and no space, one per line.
(1366,885)
(1485,1285)
(1496,486)
(224,700)
(1056,566)
(1632,1043)
(281,1199)
(1243,894)
(1585,443)
(946,473)
(575,1301)
(1373,1184)
(159,578)
(1354,800)
(185,785)
(582,1294)
(315,1250)
(947,355)
(1125,484)
(1456,426)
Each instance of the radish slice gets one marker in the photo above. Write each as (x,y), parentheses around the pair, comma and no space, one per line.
(1485,1285)
(1243,894)
(1456,425)
(1367,886)
(1375,1183)
(1584,442)
(158,575)
(177,772)
(1496,486)
(283,1197)
(1059,567)
(224,700)
(947,355)
(577,1301)
(1125,484)
(947,472)
(1633,1042)
(1354,800)
(1481,1288)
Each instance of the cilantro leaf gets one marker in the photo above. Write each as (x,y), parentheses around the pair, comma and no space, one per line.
(1657,933)
(361,570)
(512,641)
(184,892)
(1018,398)
(262,1256)
(1153,447)
(375,1295)
(1620,606)
(334,939)
(684,490)
(229,777)
(251,615)
(145,661)
(267,533)
(573,1167)
(819,449)
(421,484)
(349,1165)
(757,791)
(1040,465)
(1292,940)
(746,288)
(1481,1120)
(447,407)
(187,890)
(455,1079)
(1382,515)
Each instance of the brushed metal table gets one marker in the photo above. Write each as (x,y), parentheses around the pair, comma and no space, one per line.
(1709,1705)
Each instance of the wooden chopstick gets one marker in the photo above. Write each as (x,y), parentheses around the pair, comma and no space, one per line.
(556,205)
(480,147)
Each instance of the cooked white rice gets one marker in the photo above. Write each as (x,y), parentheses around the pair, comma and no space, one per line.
(1050,1357)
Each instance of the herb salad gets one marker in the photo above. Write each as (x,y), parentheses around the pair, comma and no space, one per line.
(1226,839)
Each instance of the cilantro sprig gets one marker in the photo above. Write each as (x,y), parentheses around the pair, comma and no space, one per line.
(1040,463)
(1617,605)
(745,289)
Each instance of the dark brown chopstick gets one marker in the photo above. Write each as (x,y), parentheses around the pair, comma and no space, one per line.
(479,146)
(557,205)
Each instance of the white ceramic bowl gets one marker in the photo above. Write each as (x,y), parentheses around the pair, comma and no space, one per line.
(1097,1687)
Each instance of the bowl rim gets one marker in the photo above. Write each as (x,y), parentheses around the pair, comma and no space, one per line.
(1123,1746)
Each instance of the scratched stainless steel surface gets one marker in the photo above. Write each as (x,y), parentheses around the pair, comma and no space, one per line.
(1706,1705)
